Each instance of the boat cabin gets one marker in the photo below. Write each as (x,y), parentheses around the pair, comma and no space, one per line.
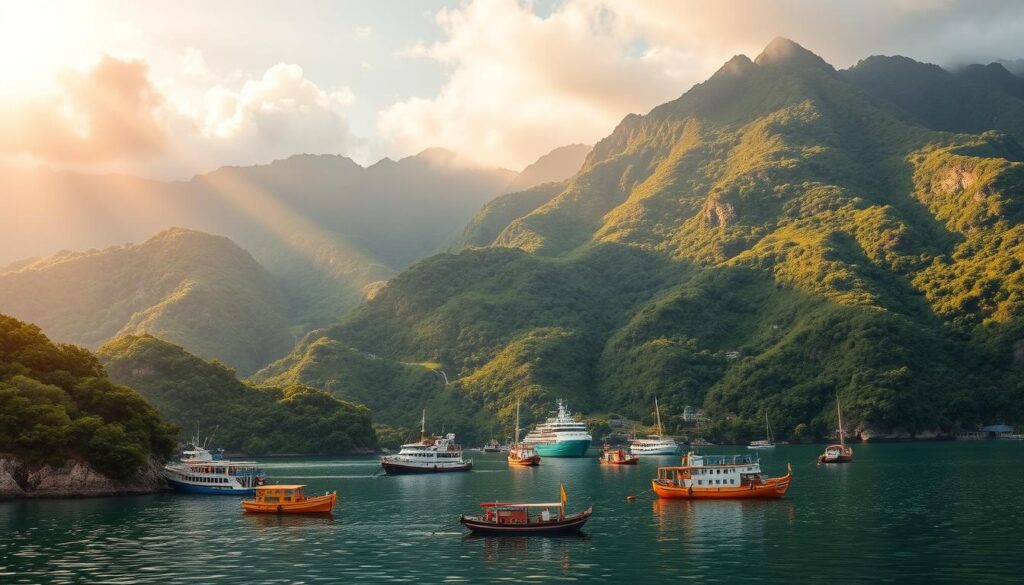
(503,513)
(712,471)
(280,494)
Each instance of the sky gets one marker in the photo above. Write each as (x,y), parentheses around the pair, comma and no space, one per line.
(168,90)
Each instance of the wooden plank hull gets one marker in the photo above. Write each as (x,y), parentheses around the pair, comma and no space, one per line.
(525,462)
(315,505)
(772,488)
(567,525)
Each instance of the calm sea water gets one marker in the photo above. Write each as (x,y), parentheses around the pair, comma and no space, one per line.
(921,512)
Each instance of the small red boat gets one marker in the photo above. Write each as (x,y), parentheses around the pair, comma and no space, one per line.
(515,518)
(611,456)
(519,453)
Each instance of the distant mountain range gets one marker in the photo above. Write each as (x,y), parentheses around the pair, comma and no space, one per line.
(782,233)
(324,226)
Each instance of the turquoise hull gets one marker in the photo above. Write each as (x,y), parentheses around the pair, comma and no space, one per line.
(573,448)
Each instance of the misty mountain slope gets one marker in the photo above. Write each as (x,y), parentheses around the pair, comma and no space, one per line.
(197,290)
(554,167)
(779,210)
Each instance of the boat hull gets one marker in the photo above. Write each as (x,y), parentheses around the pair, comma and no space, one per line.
(395,468)
(188,488)
(525,461)
(645,451)
(772,488)
(627,461)
(568,525)
(845,455)
(569,448)
(315,505)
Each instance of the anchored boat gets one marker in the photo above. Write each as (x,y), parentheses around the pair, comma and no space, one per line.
(519,519)
(611,456)
(289,499)
(521,454)
(769,441)
(719,477)
(837,453)
(428,455)
(655,444)
(201,471)
(560,436)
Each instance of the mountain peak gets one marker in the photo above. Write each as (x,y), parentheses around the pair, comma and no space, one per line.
(738,65)
(782,51)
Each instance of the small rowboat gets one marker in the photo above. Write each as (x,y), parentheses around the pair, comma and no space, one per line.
(501,518)
(289,499)
(617,457)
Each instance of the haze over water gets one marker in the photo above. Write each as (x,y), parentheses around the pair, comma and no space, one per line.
(917,512)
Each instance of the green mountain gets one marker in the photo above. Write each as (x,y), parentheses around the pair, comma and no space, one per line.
(56,403)
(201,396)
(780,234)
(324,226)
(198,290)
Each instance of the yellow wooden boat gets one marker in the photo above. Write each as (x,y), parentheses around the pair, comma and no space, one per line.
(289,499)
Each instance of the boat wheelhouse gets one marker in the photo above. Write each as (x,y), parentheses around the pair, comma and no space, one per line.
(654,444)
(504,518)
(200,471)
(560,436)
(721,477)
(428,455)
(289,499)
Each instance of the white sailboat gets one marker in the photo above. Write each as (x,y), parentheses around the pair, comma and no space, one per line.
(768,442)
(655,444)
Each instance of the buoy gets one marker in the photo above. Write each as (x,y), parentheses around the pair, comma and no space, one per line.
(630,498)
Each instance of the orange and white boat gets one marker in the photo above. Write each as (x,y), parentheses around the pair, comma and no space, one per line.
(611,456)
(719,477)
(289,499)
(522,454)
(837,453)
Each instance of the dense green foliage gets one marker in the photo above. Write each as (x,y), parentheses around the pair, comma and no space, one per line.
(56,403)
(780,234)
(198,290)
(207,397)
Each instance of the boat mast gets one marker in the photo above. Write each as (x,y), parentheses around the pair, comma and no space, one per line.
(767,427)
(423,426)
(839,412)
(516,441)
(657,415)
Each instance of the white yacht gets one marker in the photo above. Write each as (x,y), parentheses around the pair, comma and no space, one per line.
(560,436)
(428,455)
(769,441)
(654,444)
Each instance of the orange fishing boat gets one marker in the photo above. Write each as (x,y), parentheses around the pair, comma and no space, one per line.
(611,456)
(289,499)
(719,477)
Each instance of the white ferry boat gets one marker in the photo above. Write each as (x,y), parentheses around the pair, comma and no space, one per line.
(561,436)
(429,455)
(203,472)
(654,444)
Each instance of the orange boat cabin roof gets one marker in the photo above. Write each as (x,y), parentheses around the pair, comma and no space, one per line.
(280,493)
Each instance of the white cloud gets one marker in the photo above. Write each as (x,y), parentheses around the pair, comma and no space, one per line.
(520,84)
(363,32)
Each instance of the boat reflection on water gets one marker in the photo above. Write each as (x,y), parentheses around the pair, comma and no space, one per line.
(548,549)
(701,521)
(262,521)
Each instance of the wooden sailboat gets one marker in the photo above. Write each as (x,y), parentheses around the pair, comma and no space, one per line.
(837,453)
(521,454)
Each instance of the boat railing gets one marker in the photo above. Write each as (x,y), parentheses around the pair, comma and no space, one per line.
(727,459)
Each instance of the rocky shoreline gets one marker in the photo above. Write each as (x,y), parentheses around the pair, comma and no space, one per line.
(75,479)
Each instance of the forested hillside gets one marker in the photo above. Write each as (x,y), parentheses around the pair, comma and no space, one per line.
(207,398)
(198,290)
(56,404)
(780,234)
